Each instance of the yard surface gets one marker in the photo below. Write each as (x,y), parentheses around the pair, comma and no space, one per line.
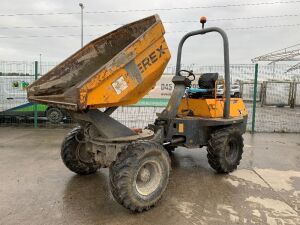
(36,188)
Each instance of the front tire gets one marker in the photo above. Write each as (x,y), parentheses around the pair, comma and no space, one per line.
(140,175)
(225,149)
(74,154)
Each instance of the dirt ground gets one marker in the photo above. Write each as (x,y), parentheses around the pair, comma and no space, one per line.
(36,188)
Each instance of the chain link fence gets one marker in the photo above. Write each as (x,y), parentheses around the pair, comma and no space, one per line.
(277,100)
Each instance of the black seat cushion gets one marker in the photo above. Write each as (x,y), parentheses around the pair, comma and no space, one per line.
(207,80)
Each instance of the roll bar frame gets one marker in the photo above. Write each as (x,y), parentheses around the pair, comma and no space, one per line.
(226,111)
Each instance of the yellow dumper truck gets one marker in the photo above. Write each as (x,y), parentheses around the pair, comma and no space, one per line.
(120,68)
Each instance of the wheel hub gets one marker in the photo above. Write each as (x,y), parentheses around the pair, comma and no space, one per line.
(83,153)
(144,175)
(231,151)
(54,115)
(148,178)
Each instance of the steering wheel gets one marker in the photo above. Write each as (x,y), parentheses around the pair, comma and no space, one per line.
(190,76)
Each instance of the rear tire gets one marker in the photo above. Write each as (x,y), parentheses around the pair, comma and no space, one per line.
(74,154)
(140,175)
(225,149)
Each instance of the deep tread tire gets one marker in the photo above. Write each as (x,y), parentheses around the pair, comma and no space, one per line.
(222,139)
(70,156)
(124,171)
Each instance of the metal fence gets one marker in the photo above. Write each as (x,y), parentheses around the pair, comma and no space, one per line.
(296,94)
(247,90)
(277,95)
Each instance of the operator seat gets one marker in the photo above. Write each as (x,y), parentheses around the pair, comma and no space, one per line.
(206,85)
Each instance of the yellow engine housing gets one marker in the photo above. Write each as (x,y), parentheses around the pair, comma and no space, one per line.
(211,108)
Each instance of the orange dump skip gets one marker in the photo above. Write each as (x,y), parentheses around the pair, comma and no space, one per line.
(116,69)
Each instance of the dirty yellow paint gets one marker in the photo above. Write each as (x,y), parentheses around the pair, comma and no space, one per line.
(211,108)
(180,127)
(115,85)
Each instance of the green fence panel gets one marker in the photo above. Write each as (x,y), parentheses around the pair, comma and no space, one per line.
(254,98)
(35,105)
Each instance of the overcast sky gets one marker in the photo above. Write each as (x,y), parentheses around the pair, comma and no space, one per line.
(244,43)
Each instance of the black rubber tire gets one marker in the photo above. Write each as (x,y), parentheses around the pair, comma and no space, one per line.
(223,140)
(54,115)
(124,171)
(70,155)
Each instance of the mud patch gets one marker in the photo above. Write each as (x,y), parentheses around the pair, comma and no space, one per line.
(233,215)
(186,208)
(244,177)
(273,211)
(279,180)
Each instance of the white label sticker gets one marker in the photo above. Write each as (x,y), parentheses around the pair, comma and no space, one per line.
(120,85)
